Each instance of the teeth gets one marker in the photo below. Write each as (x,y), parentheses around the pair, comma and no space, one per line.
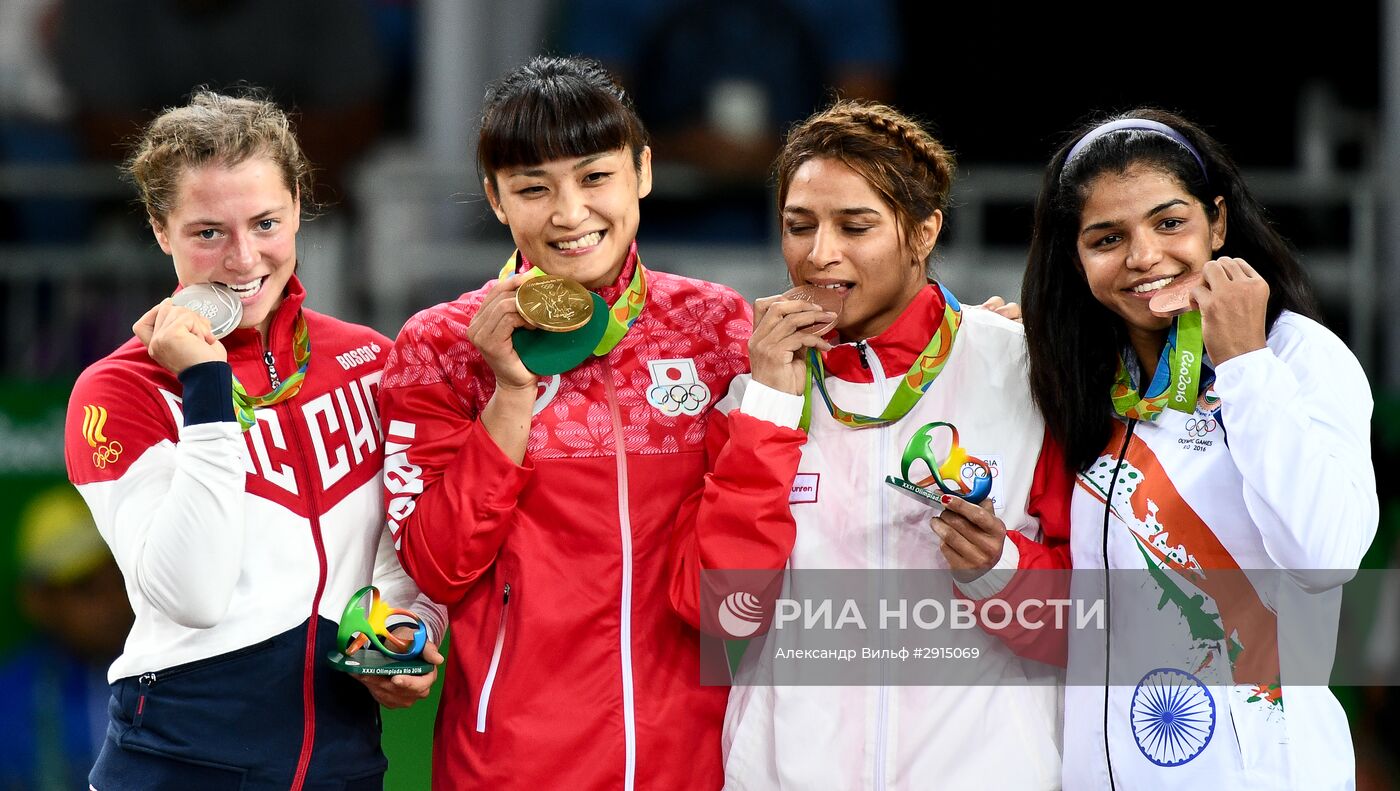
(587,240)
(832,286)
(247,289)
(1153,286)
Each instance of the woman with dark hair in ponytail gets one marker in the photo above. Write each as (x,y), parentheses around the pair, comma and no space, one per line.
(1215,427)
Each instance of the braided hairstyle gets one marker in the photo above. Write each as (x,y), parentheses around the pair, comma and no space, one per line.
(905,165)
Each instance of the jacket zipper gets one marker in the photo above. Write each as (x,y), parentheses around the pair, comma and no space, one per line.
(629,715)
(146,681)
(485,701)
(271,364)
(308,675)
(861,349)
(877,373)
(1108,596)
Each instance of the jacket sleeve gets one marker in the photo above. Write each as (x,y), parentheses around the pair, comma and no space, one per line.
(172,511)
(449,491)
(740,518)
(1033,572)
(1297,418)
(397,588)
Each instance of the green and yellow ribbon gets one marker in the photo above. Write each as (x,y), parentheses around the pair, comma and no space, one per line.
(622,313)
(244,404)
(1175,382)
(912,386)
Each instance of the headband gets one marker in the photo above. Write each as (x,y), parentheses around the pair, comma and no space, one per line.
(1139,125)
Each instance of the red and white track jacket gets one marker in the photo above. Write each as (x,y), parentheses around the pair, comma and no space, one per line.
(227,538)
(568,668)
(819,501)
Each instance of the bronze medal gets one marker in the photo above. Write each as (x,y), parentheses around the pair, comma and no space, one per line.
(554,304)
(827,299)
(1176,297)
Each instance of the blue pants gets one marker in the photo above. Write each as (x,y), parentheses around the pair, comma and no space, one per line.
(235,721)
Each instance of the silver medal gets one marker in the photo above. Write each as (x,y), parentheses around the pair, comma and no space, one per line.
(215,302)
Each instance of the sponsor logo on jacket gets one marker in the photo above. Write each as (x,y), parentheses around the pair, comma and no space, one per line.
(358,356)
(805,487)
(105,451)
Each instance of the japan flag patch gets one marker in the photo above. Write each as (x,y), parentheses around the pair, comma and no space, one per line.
(676,388)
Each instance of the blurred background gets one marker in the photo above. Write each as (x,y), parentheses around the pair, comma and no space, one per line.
(388,93)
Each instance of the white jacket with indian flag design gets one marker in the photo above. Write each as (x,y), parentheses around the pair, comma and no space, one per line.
(1223,511)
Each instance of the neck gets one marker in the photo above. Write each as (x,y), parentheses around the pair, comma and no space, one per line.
(607,279)
(264,327)
(1147,345)
(883,319)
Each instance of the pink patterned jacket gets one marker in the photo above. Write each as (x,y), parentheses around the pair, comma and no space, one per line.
(568,667)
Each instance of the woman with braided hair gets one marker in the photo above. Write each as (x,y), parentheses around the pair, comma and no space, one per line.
(865,362)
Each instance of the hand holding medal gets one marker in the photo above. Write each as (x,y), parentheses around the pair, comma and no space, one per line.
(1234,304)
(785,327)
(1175,299)
(550,324)
(564,323)
(185,329)
(215,302)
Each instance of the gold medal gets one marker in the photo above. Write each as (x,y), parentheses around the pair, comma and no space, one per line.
(554,304)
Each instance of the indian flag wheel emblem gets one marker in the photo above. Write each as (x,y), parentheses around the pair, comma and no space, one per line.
(1173,716)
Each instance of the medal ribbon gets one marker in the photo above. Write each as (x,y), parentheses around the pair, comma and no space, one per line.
(927,366)
(1176,381)
(622,313)
(244,404)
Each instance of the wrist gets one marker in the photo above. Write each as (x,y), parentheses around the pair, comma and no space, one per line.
(514,399)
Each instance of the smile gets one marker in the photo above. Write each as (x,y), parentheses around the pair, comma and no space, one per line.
(247,291)
(1144,288)
(581,243)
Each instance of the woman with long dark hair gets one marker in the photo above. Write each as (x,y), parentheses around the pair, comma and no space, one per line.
(1230,436)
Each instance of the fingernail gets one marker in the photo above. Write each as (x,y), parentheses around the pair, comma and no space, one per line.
(945,499)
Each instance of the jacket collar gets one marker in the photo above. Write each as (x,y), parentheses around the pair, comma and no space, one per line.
(898,346)
(245,341)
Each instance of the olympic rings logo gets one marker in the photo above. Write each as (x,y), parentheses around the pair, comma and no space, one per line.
(971,471)
(1199,427)
(106,454)
(676,398)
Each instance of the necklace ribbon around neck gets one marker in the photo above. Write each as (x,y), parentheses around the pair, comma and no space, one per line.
(1176,380)
(622,313)
(912,386)
(244,404)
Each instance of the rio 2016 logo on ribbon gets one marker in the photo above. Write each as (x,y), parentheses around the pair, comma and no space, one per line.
(954,471)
